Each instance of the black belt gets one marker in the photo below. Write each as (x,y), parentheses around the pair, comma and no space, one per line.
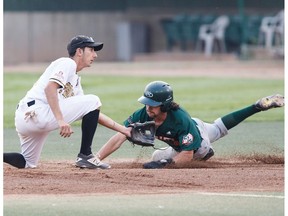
(30,103)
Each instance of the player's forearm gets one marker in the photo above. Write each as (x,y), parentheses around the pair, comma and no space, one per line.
(112,145)
(52,99)
(110,123)
(183,157)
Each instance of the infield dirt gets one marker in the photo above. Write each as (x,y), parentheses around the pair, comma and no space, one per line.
(128,177)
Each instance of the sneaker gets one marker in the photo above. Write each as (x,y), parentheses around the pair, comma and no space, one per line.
(269,102)
(208,155)
(90,162)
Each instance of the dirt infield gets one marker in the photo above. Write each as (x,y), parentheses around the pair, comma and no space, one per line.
(268,69)
(128,177)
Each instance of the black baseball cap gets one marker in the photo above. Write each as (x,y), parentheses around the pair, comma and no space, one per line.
(82,41)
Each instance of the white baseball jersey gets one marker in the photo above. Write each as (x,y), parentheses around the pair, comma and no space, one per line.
(34,118)
(61,71)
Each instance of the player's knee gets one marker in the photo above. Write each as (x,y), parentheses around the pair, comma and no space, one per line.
(92,101)
(165,153)
(221,127)
(15,159)
(92,98)
(156,156)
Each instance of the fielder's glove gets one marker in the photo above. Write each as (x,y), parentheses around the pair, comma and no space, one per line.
(142,134)
(158,164)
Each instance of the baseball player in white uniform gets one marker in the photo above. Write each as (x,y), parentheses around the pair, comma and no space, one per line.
(54,102)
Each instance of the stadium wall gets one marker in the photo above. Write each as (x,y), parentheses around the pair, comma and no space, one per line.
(39,32)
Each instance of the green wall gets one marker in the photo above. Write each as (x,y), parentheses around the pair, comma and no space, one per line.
(122,5)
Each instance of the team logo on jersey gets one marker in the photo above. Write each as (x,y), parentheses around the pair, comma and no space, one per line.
(59,75)
(188,139)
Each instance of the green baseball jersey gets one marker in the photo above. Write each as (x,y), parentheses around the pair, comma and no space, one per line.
(178,130)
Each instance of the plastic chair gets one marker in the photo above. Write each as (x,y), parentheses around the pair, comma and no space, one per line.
(172,34)
(251,30)
(272,27)
(219,28)
(279,28)
(181,22)
(213,33)
(180,30)
(234,35)
(267,29)
(189,27)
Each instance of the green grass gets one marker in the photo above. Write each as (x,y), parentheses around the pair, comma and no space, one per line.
(162,204)
(205,98)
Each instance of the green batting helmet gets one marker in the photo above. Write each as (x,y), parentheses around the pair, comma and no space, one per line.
(157,93)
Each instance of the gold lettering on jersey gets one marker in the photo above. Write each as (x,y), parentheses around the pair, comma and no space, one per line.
(169,141)
(67,90)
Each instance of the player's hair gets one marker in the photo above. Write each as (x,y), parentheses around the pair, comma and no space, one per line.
(74,52)
(174,105)
(169,106)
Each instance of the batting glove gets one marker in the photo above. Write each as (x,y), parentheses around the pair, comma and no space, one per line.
(158,164)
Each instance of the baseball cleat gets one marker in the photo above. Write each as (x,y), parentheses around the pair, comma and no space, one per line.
(90,162)
(269,102)
(208,155)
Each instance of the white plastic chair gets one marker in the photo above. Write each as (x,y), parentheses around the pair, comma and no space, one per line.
(211,33)
(272,26)
(279,28)
(206,36)
(220,26)
(267,29)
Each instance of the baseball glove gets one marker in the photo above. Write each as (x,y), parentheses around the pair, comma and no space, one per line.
(143,134)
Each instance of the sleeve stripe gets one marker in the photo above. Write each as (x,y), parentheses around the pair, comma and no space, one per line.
(57,81)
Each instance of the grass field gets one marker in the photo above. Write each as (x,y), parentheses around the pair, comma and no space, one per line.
(200,204)
(205,98)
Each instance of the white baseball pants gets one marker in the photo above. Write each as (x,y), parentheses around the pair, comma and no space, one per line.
(34,123)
